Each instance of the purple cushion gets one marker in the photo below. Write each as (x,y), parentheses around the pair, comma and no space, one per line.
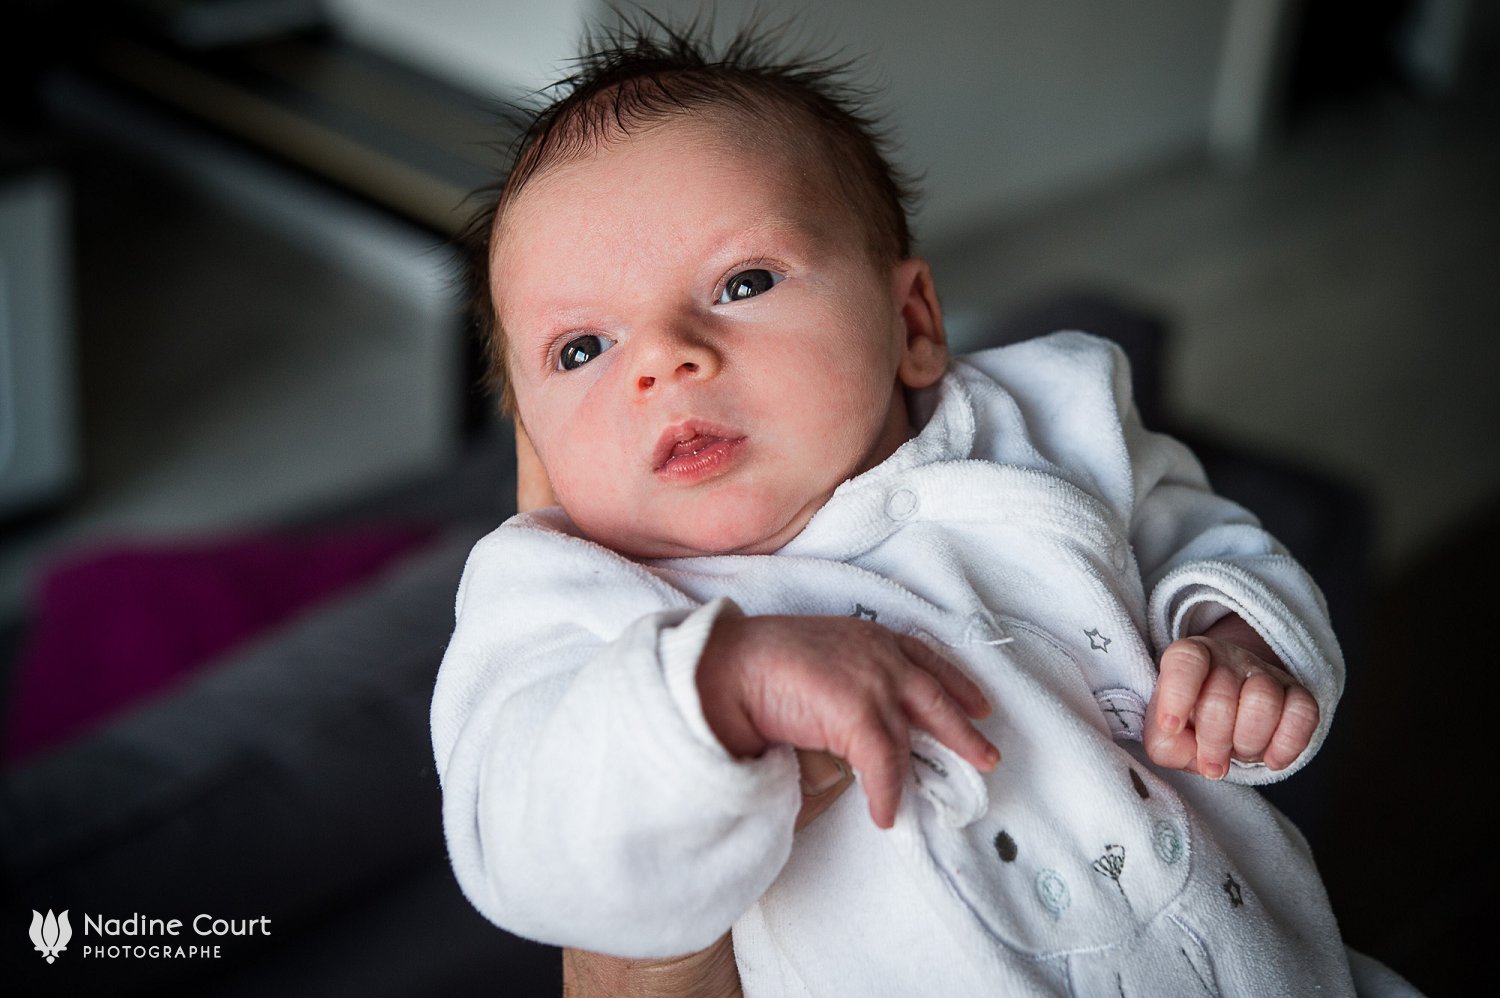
(115,625)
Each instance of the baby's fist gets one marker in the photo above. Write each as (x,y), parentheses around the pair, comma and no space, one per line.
(1215,699)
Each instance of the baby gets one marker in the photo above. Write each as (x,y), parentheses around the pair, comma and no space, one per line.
(1055,659)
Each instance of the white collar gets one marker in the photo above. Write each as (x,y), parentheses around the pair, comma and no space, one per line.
(867,508)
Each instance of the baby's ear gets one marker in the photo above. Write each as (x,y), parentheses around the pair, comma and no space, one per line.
(924,354)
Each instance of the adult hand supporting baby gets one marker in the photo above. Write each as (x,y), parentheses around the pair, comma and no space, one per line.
(711,972)
(1224,694)
(533,488)
(708,973)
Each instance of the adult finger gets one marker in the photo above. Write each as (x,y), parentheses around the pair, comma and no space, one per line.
(533,487)
(957,685)
(1261,699)
(1299,719)
(929,707)
(1184,667)
(824,779)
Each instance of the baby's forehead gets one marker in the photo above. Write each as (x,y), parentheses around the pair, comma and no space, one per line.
(789,160)
(798,169)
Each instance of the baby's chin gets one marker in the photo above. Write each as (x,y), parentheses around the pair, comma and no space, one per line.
(727,532)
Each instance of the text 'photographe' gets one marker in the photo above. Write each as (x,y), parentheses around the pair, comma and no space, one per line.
(136,936)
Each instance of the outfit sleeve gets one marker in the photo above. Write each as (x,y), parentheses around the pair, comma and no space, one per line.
(579,777)
(1200,556)
(1233,566)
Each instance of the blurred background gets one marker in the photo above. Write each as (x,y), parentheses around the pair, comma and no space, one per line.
(243,449)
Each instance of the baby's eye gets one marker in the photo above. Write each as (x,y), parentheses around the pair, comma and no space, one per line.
(582,349)
(748,284)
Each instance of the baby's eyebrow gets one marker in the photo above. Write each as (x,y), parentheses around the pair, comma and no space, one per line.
(563,317)
(780,227)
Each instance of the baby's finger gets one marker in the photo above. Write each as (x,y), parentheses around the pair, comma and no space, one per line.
(1261,698)
(1168,751)
(879,750)
(929,707)
(1299,719)
(1213,721)
(1171,751)
(1184,666)
(957,685)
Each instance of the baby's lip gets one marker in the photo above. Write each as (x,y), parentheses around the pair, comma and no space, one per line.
(686,438)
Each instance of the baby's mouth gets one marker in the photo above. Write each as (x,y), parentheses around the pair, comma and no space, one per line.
(694,445)
(691,448)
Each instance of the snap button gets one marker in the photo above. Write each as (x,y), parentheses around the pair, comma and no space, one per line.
(901,504)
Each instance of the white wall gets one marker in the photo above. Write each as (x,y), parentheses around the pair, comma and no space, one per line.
(998,103)
(1001,103)
(492,47)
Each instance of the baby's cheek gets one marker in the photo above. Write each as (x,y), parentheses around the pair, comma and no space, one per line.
(592,492)
(591,495)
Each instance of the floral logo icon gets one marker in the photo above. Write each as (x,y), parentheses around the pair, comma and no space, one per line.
(50,935)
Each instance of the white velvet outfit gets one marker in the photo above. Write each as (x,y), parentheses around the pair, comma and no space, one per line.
(1033,533)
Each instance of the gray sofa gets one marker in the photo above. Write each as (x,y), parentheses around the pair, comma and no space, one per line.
(292,780)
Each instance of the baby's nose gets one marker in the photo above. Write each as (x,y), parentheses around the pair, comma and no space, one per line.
(686,367)
(676,356)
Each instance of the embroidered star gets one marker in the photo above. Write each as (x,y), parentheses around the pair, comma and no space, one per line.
(863,612)
(1097,641)
(1232,888)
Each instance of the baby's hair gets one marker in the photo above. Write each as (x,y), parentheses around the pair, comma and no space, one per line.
(645,72)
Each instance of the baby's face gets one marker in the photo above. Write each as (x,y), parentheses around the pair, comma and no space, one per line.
(701,348)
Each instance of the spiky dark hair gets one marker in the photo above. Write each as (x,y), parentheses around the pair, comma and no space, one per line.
(646,71)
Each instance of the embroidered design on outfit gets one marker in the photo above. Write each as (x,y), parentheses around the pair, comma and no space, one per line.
(1111,865)
(1166,840)
(1097,641)
(1052,889)
(1232,888)
(863,612)
(1114,709)
(1208,987)
(1124,710)
(931,764)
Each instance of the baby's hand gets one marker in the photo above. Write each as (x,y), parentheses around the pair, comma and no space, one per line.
(842,685)
(1215,697)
